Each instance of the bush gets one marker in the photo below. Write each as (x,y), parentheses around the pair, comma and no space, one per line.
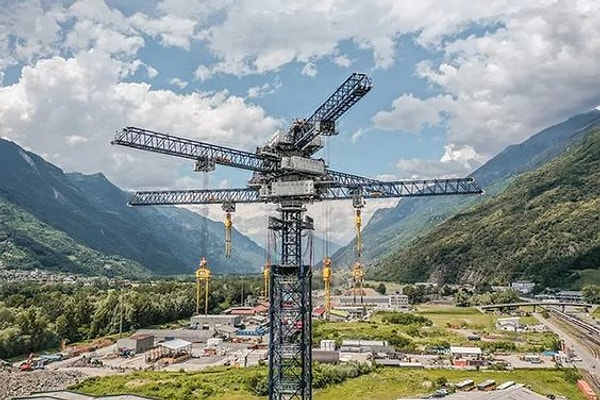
(405,318)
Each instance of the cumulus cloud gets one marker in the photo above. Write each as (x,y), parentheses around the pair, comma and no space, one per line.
(410,114)
(180,83)
(540,67)
(256,92)
(57,102)
(309,69)
(263,35)
(536,64)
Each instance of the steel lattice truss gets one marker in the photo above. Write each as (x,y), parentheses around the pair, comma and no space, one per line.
(348,94)
(371,190)
(285,173)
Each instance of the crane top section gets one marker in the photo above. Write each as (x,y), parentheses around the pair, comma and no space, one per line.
(304,135)
(284,169)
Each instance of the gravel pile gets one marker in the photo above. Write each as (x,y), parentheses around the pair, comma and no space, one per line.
(24,383)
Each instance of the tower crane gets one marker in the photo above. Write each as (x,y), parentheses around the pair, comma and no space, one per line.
(285,173)
(202,277)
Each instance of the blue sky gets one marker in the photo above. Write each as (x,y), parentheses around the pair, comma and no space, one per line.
(454,82)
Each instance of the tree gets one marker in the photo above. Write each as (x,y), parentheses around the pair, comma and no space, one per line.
(506,297)
(381,288)
(461,299)
(591,293)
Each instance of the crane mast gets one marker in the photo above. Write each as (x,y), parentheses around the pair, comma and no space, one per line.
(286,174)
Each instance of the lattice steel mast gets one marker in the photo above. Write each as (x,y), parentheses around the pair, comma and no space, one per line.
(286,174)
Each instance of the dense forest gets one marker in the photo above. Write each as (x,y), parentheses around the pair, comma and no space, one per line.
(35,317)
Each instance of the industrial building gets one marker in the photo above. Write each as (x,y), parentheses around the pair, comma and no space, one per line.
(514,392)
(465,356)
(191,335)
(392,302)
(366,346)
(325,356)
(524,287)
(212,321)
(138,343)
(569,296)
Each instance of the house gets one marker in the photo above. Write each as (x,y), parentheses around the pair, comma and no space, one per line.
(463,356)
(137,343)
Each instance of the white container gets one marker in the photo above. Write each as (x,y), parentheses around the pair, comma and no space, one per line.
(328,345)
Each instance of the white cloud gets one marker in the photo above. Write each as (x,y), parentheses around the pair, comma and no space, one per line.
(202,73)
(74,140)
(540,67)
(309,69)
(168,30)
(257,92)
(85,94)
(410,114)
(415,168)
(357,135)
(152,72)
(342,61)
(263,35)
(181,84)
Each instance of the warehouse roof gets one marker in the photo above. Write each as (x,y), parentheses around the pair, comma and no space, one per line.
(176,344)
(464,350)
(513,393)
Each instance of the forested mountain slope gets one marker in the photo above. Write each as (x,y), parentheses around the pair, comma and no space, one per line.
(93,212)
(545,226)
(390,229)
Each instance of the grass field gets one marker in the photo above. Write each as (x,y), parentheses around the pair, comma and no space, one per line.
(385,384)
(465,317)
(596,313)
(403,337)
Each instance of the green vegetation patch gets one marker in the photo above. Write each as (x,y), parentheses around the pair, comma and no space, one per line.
(379,384)
(212,383)
(404,331)
(543,227)
(457,317)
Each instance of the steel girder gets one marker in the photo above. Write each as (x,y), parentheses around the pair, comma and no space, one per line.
(163,143)
(348,94)
(337,191)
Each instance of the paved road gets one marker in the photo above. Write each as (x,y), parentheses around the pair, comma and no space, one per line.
(589,362)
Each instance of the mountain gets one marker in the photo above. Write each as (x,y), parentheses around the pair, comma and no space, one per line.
(28,243)
(545,226)
(319,248)
(93,212)
(392,228)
